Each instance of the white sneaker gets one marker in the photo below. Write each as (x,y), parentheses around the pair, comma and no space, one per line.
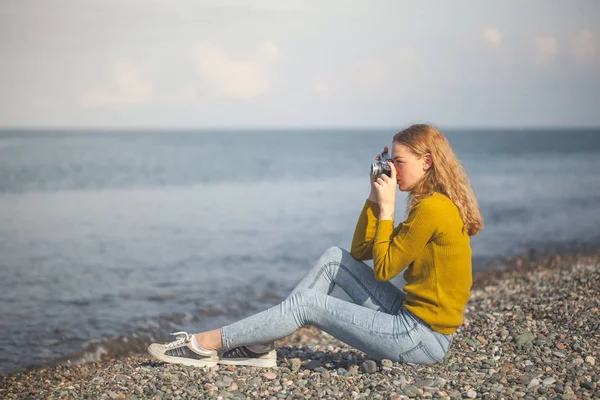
(253,356)
(180,351)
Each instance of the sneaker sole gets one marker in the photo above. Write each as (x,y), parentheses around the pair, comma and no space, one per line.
(251,362)
(179,360)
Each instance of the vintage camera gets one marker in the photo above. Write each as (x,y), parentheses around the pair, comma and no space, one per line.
(381,166)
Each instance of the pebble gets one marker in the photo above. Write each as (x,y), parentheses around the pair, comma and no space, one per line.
(576,362)
(423,382)
(533,384)
(295,364)
(411,391)
(513,344)
(270,375)
(221,384)
(440,382)
(353,370)
(590,360)
(524,338)
(369,366)
(497,387)
(312,364)
(548,381)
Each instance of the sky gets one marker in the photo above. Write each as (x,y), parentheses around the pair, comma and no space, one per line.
(274,63)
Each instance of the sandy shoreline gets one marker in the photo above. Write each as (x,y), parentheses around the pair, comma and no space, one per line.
(531,331)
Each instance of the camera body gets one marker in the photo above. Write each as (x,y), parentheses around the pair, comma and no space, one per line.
(381,166)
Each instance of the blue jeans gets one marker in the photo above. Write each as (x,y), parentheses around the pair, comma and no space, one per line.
(376,322)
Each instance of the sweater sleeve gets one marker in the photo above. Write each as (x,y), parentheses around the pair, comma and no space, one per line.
(364,233)
(393,253)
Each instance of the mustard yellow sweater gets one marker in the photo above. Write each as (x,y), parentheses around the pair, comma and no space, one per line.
(436,250)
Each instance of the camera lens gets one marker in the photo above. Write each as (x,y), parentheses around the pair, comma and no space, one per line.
(375,170)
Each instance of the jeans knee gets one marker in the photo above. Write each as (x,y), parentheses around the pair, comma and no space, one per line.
(301,298)
(295,298)
(334,253)
(302,304)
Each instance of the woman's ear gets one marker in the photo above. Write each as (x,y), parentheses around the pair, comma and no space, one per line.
(427,162)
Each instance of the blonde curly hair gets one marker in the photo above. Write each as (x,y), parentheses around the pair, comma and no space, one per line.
(446,175)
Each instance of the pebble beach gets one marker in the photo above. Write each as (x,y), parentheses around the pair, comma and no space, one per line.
(531,331)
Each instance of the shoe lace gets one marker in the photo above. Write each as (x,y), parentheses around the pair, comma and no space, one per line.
(183,337)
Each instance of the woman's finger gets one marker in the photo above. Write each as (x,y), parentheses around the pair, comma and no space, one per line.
(393,170)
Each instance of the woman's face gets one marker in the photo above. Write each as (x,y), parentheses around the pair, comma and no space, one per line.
(409,167)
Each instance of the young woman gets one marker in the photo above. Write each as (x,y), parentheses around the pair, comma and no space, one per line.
(432,247)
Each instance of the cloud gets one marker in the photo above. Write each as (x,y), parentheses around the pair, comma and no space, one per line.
(545,50)
(259,5)
(585,44)
(371,75)
(321,86)
(128,85)
(546,46)
(270,50)
(408,72)
(235,78)
(183,95)
(492,36)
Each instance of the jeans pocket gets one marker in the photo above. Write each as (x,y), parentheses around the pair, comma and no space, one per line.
(419,354)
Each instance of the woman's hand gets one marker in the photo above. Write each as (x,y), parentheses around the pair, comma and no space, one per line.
(373,194)
(385,189)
